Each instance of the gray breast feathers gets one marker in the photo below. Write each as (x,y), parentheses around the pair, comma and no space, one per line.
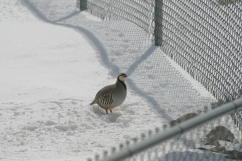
(112,95)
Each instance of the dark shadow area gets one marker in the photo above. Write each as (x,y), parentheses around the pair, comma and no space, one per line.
(151,100)
(68,16)
(192,156)
(35,11)
(93,40)
(96,44)
(147,53)
(110,118)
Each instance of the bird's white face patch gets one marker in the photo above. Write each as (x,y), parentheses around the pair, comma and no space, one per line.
(122,78)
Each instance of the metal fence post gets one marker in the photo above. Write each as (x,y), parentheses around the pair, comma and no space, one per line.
(83,4)
(158,16)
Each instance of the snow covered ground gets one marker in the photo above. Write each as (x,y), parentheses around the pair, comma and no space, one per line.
(53,60)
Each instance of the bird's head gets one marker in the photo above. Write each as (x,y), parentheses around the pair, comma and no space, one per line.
(122,77)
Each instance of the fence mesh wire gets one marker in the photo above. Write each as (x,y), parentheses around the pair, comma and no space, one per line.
(211,141)
(138,12)
(204,38)
(216,140)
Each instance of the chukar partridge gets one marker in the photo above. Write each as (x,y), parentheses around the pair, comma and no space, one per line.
(113,95)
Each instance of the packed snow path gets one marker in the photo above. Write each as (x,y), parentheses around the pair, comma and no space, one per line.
(53,60)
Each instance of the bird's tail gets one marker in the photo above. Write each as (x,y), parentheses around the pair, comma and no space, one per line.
(93,102)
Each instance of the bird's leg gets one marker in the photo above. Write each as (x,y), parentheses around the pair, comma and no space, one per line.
(111,110)
(106,111)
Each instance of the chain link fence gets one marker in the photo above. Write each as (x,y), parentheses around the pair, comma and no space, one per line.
(204,38)
(211,137)
(137,12)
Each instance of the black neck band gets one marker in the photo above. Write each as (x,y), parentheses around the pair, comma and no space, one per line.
(124,85)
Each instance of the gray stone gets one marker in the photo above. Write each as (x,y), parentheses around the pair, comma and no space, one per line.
(218,133)
(234,155)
